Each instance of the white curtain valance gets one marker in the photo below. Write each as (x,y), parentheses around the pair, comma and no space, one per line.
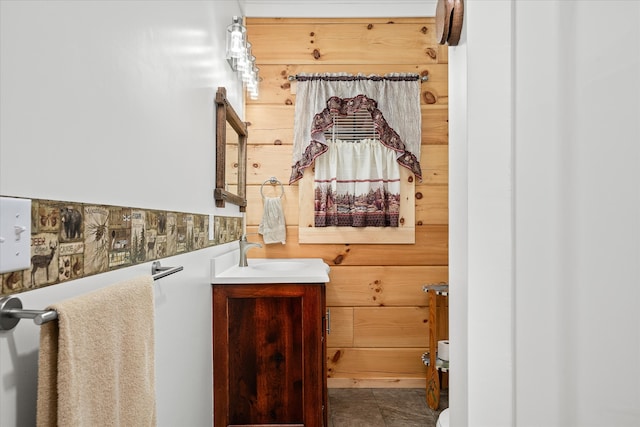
(397,97)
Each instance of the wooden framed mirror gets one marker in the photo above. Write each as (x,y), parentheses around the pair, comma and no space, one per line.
(231,175)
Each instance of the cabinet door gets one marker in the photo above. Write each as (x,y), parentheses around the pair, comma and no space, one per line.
(268,358)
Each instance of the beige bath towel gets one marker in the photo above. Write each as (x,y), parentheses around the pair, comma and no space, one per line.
(272,227)
(96,363)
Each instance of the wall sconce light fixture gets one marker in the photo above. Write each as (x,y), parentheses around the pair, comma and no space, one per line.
(240,58)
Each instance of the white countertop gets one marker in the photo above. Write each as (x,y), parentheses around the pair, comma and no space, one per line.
(225,270)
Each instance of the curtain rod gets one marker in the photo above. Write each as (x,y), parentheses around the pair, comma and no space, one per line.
(406,77)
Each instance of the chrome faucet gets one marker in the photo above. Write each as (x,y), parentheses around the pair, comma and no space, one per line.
(244,247)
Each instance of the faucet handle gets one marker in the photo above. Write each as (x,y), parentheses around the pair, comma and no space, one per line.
(244,236)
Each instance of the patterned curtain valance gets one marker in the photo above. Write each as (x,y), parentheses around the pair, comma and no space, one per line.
(344,107)
(392,100)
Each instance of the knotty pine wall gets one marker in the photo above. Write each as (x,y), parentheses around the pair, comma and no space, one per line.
(379,312)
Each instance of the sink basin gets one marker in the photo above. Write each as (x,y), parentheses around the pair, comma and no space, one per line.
(278,265)
(225,270)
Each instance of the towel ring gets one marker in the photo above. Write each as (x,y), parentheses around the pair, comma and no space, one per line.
(272,181)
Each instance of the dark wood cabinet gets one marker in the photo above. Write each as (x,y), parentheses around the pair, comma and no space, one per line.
(269,355)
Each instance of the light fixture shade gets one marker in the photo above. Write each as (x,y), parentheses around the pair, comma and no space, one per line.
(252,85)
(236,39)
(248,70)
(254,92)
(240,58)
(243,62)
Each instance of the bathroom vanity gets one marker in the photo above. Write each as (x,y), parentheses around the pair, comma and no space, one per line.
(269,324)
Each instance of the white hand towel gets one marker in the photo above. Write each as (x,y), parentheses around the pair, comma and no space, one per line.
(272,227)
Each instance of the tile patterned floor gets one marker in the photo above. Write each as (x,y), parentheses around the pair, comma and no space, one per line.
(406,407)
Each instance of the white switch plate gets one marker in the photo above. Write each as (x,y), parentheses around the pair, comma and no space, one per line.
(15,234)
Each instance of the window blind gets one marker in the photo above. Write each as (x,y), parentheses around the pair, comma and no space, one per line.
(352,127)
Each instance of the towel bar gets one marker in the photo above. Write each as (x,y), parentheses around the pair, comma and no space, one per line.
(158,272)
(11,310)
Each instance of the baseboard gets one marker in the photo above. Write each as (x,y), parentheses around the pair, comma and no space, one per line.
(376,383)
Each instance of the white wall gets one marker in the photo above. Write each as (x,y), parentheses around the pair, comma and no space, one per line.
(481,223)
(112,102)
(458,233)
(562,161)
(337,8)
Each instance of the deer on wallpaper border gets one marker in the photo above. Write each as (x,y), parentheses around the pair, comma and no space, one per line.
(42,261)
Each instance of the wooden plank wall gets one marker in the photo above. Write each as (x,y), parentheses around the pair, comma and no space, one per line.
(378,309)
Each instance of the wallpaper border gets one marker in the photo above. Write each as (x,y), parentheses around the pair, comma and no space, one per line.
(71,240)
